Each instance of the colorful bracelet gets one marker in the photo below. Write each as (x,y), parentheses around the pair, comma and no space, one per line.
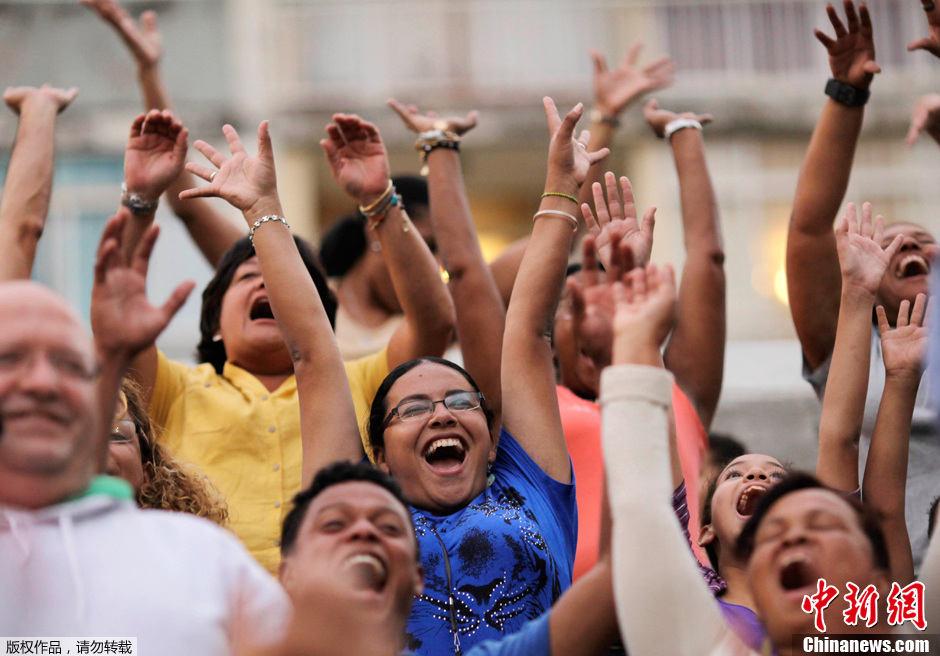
(370,210)
(555,193)
(379,215)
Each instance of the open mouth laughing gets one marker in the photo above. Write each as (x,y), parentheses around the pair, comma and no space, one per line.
(747,502)
(368,571)
(445,454)
(261,309)
(912,265)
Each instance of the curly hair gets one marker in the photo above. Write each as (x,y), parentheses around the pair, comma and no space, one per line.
(172,485)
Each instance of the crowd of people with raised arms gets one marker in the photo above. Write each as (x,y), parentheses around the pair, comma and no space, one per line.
(513,459)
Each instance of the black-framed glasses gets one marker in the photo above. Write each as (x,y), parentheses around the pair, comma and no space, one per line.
(415,409)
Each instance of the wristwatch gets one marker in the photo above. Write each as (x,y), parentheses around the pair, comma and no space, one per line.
(846,93)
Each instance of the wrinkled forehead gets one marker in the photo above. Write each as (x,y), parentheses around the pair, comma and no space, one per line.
(27,307)
(910,229)
(811,502)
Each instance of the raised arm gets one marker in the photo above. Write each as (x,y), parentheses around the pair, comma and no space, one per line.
(359,163)
(327,416)
(885,479)
(212,231)
(530,402)
(615,89)
(481,315)
(695,353)
(155,154)
(813,277)
(863,263)
(123,321)
(657,582)
(28,186)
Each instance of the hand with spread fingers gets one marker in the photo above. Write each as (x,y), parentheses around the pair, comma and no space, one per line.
(903,346)
(862,259)
(17,98)
(614,219)
(852,49)
(417,122)
(925,118)
(156,153)
(616,88)
(568,159)
(248,183)
(122,319)
(592,299)
(658,118)
(143,40)
(931,43)
(357,157)
(645,312)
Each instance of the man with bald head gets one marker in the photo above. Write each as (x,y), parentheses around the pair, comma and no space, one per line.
(77,557)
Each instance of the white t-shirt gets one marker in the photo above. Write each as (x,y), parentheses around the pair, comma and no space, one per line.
(98,567)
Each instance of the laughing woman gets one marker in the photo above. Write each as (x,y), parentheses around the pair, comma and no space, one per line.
(496,526)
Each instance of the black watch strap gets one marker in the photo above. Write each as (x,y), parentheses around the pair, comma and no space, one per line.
(846,93)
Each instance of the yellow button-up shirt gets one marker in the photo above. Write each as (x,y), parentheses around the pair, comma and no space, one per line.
(246,439)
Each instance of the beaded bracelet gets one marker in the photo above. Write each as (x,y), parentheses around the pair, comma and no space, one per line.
(379,215)
(262,220)
(565,215)
(555,193)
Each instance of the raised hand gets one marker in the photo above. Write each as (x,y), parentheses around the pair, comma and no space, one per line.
(418,122)
(645,314)
(592,299)
(852,51)
(932,43)
(658,118)
(568,159)
(357,157)
(862,260)
(17,98)
(925,118)
(247,183)
(903,347)
(615,89)
(122,319)
(156,153)
(618,221)
(144,40)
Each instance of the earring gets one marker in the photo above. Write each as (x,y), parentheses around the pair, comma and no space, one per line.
(217,337)
(490,476)
(376,247)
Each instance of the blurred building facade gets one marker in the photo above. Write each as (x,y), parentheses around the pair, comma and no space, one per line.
(754,64)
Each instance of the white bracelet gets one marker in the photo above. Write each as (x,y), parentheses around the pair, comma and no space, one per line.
(265,219)
(680,124)
(570,217)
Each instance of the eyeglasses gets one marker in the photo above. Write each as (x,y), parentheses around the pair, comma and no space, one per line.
(415,409)
(118,436)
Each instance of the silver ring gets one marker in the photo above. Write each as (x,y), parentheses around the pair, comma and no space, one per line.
(582,145)
(212,177)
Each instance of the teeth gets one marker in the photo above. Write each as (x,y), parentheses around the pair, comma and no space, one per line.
(793,558)
(447,441)
(913,258)
(367,559)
